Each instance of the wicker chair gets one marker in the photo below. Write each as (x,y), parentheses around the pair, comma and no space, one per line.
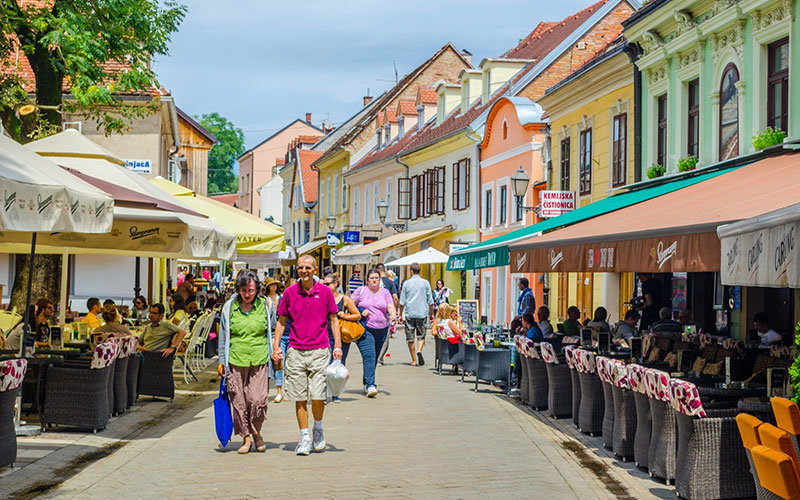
(624,411)
(711,462)
(492,364)
(77,395)
(132,380)
(559,382)
(641,440)
(12,373)
(537,377)
(449,354)
(604,372)
(522,351)
(469,355)
(748,430)
(590,414)
(155,375)
(779,473)
(437,344)
(119,394)
(662,453)
(787,417)
(575,378)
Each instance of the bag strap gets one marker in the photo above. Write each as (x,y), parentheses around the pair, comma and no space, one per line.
(223,390)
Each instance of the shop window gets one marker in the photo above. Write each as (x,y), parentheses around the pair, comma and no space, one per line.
(661,157)
(729,114)
(778,85)
(565,157)
(619,149)
(693,119)
(585,289)
(585,161)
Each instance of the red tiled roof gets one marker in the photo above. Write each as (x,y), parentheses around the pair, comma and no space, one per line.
(377,155)
(380,120)
(547,36)
(407,107)
(280,161)
(228,199)
(305,157)
(427,95)
(309,139)
(391,114)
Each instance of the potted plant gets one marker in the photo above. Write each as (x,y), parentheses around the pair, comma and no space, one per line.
(794,369)
(686,164)
(768,137)
(654,171)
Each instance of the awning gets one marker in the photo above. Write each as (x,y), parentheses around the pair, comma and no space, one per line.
(310,246)
(364,254)
(762,251)
(428,256)
(670,233)
(495,252)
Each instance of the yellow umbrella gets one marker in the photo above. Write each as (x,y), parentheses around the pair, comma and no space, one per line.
(253,235)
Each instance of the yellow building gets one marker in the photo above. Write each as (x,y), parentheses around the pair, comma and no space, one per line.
(592,153)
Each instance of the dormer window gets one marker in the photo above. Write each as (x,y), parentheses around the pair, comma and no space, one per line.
(379,133)
(420,117)
(388,134)
(401,126)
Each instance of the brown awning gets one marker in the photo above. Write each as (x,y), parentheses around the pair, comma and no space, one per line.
(671,233)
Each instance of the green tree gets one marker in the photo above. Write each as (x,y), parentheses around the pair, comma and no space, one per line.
(222,157)
(85,56)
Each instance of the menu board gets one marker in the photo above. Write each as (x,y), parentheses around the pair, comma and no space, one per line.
(776,382)
(586,337)
(468,311)
(636,347)
(685,360)
(603,342)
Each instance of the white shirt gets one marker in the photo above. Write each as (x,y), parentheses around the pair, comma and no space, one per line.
(769,337)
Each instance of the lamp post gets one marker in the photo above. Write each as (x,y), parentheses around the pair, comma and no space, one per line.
(520,182)
(331,222)
(383,208)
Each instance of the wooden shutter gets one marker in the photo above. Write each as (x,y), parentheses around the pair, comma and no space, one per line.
(455,185)
(403,198)
(440,175)
(465,205)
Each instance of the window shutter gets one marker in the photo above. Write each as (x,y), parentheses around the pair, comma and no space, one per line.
(403,198)
(466,184)
(455,185)
(440,175)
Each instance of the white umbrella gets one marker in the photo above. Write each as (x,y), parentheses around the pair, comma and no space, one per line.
(428,256)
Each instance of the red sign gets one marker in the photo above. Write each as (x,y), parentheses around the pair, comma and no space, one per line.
(555,203)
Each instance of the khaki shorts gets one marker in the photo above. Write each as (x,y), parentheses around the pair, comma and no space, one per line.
(416,328)
(304,373)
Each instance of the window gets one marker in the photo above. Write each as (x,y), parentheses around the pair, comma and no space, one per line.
(431,185)
(519,201)
(420,196)
(367,208)
(565,157)
(376,217)
(403,198)
(344,194)
(420,117)
(503,215)
(389,200)
(461,185)
(414,197)
(778,85)
(379,134)
(693,119)
(321,199)
(401,126)
(328,198)
(356,206)
(440,179)
(729,114)
(585,161)
(619,150)
(297,194)
(336,190)
(306,231)
(505,131)
(661,153)
(487,209)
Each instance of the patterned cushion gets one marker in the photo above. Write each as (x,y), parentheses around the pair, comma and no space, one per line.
(12,371)
(465,337)
(602,368)
(534,350)
(566,339)
(570,356)
(584,361)
(648,342)
(693,338)
(636,377)
(104,355)
(657,384)
(479,341)
(548,353)
(781,351)
(705,339)
(133,344)
(619,373)
(122,345)
(685,398)
(732,344)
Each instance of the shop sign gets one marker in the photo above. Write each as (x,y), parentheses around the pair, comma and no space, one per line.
(493,257)
(370,239)
(352,236)
(139,166)
(333,239)
(555,203)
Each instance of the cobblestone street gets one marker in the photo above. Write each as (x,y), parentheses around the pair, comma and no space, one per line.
(424,436)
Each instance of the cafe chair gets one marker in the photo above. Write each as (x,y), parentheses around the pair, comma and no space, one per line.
(559,382)
(185,357)
(449,354)
(777,472)
(524,384)
(493,364)
(155,375)
(590,418)
(662,453)
(575,380)
(604,372)
(641,439)
(537,377)
(76,394)
(787,417)
(748,430)
(119,394)
(469,356)
(778,439)
(711,461)
(132,376)
(12,373)
(624,410)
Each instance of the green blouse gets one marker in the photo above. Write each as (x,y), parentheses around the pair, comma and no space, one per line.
(249,340)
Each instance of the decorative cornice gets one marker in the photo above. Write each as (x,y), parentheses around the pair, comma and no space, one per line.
(685,21)
(732,38)
(657,75)
(784,12)
(651,41)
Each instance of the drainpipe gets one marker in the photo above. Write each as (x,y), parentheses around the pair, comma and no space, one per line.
(633,54)
(477,140)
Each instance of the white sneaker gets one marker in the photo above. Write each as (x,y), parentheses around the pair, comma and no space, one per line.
(303,447)
(319,440)
(372,391)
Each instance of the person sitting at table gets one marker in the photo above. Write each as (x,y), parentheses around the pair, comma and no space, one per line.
(159,334)
(140,306)
(108,302)
(599,323)
(685,318)
(767,335)
(571,325)
(112,328)
(543,315)
(38,314)
(666,326)
(91,319)
(627,328)
(186,289)
(448,324)
(178,307)
(532,330)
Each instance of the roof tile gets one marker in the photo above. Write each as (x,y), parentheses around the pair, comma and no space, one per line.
(427,95)
(305,157)
(407,107)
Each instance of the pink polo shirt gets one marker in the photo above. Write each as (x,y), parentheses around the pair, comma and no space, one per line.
(308,313)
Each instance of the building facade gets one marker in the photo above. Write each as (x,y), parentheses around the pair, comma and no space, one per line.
(192,161)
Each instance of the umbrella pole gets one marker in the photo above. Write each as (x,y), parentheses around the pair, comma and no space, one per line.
(26,327)
(137,285)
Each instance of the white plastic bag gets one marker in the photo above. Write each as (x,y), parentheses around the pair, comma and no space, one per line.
(337,377)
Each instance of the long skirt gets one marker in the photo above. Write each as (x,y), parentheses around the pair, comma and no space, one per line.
(248,387)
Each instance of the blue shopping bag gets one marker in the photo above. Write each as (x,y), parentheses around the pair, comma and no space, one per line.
(222,415)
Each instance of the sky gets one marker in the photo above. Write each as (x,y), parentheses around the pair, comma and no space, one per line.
(265,63)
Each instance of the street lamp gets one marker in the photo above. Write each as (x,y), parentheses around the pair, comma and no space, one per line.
(520,182)
(383,208)
(331,223)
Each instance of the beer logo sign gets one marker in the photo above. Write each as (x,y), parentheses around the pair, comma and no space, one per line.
(9,199)
(664,254)
(42,204)
(521,259)
(555,258)
(136,234)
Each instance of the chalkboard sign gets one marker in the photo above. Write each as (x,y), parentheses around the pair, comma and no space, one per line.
(586,337)
(636,347)
(685,360)
(468,311)
(603,342)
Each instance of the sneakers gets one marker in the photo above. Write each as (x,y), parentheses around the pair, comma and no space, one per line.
(372,391)
(420,359)
(336,399)
(319,440)
(304,447)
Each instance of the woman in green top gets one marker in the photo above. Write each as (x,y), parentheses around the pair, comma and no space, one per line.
(244,354)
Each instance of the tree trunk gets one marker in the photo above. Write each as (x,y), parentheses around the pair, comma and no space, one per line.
(46,280)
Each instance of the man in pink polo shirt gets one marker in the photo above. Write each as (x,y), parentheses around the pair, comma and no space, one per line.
(310,306)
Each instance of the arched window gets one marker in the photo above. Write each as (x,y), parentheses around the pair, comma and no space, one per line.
(729,114)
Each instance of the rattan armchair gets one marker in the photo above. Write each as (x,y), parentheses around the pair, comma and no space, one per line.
(12,372)
(575,379)
(537,377)
(641,440)
(559,382)
(590,418)
(155,375)
(604,372)
(662,453)
(624,411)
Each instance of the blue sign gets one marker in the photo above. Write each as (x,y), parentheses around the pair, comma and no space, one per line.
(352,236)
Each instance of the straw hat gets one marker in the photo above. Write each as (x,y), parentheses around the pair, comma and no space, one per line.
(270,281)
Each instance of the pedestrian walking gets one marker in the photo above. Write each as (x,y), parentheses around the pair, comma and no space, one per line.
(309,306)
(377,307)
(416,300)
(441,295)
(244,356)
(389,284)
(273,297)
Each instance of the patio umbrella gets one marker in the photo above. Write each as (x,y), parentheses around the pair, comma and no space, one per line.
(428,256)
(38,195)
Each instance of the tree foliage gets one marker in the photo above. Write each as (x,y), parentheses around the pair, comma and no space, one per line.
(98,50)
(222,157)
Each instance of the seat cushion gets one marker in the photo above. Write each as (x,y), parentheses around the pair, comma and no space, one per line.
(787,415)
(776,472)
(748,429)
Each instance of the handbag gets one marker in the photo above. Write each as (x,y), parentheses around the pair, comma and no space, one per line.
(223,420)
(350,330)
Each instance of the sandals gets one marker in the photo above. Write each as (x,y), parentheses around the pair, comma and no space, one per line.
(260,446)
(278,398)
(244,449)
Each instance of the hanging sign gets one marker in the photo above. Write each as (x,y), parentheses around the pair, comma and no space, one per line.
(555,203)
(352,236)
(333,239)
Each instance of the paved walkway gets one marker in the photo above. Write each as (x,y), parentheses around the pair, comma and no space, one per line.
(424,436)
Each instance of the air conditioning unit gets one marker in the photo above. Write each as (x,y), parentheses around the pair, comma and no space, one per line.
(72,125)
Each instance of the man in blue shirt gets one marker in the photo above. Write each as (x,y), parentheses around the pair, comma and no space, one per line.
(526,303)
(532,330)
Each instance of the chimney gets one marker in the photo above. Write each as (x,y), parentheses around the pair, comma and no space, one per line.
(308,118)
(367,100)
(467,55)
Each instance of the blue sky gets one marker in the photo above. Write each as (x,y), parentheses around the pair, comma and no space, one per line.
(264,63)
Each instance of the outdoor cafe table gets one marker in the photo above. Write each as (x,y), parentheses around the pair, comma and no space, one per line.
(83,346)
